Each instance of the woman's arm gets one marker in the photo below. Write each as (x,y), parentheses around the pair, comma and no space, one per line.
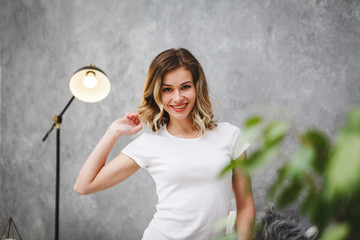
(245,208)
(95,175)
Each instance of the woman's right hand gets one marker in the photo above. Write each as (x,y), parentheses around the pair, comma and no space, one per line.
(128,125)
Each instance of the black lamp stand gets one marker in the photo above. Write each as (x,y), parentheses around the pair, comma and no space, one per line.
(57,122)
(8,232)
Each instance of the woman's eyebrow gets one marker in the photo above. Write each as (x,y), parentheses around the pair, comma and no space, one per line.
(163,84)
(186,82)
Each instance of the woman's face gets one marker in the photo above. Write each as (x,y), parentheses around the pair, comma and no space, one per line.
(178,93)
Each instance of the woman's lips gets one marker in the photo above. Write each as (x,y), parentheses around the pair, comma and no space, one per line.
(179,108)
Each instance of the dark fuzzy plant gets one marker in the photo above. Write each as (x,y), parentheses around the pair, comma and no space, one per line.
(274,226)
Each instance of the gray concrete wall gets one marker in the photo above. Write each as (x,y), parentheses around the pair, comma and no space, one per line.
(0,94)
(258,55)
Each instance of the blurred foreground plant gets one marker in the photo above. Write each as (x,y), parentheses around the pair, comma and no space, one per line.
(321,175)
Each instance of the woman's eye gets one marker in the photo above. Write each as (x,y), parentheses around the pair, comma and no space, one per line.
(186,87)
(166,89)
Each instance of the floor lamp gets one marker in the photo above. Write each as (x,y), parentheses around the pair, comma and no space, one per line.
(88,84)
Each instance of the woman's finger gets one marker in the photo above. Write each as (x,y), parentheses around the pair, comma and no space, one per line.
(138,127)
(134,116)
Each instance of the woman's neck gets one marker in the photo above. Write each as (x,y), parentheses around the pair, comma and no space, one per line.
(182,128)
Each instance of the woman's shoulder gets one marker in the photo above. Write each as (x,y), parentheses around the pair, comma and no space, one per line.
(225,129)
(145,140)
(149,136)
(235,138)
(226,126)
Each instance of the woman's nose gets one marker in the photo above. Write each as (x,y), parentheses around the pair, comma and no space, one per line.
(178,96)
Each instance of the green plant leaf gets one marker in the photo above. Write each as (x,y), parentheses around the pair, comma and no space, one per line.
(343,176)
(274,133)
(278,182)
(231,166)
(289,193)
(321,146)
(251,134)
(252,128)
(318,210)
(300,161)
(337,232)
(260,158)
(257,159)
(308,204)
(353,122)
(253,121)
(230,236)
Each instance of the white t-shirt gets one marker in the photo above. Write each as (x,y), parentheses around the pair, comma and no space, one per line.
(191,196)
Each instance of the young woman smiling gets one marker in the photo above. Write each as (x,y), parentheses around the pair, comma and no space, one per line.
(184,154)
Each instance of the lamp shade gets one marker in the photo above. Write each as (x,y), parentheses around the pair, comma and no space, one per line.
(89,84)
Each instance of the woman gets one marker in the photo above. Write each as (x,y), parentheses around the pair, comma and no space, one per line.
(184,154)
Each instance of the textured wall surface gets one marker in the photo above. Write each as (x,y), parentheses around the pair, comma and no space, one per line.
(259,56)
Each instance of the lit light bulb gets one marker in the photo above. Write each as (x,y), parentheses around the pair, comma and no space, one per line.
(90,80)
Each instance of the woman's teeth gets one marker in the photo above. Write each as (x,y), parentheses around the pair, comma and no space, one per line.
(179,107)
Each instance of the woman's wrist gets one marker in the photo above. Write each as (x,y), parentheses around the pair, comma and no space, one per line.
(113,132)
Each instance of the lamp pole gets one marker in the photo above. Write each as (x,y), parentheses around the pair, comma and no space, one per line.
(88,84)
(57,122)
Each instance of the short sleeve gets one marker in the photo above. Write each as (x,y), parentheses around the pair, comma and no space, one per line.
(137,151)
(240,144)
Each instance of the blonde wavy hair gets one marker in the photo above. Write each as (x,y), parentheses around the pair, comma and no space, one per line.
(152,110)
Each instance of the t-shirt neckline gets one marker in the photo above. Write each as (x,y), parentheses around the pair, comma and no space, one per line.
(179,138)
